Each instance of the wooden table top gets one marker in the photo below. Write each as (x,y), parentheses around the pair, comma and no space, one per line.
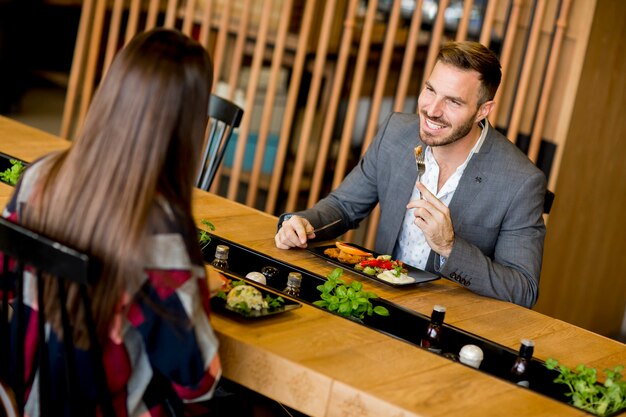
(324,365)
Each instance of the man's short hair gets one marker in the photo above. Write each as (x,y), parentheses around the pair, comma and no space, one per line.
(474,56)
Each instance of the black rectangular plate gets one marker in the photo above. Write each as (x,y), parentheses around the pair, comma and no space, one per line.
(219,305)
(419,276)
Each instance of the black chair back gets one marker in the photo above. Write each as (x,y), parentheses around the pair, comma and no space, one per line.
(547,202)
(21,247)
(224,117)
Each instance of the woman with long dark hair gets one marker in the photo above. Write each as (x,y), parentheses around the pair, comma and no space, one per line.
(122,193)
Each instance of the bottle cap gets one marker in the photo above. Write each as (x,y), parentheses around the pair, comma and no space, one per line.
(221,252)
(528,342)
(257,276)
(471,355)
(294,278)
(439,308)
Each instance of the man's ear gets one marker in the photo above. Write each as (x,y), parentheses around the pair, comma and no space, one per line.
(484,110)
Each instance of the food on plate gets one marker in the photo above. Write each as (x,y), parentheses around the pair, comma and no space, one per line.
(390,276)
(245,297)
(347,254)
(343,257)
(344,247)
(380,264)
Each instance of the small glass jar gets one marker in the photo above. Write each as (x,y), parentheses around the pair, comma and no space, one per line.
(221,257)
(270,273)
(294,280)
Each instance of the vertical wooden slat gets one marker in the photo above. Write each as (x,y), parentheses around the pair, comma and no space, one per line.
(546,93)
(435,40)
(240,43)
(461,32)
(310,108)
(527,68)
(401,91)
(268,105)
(335,97)
(408,60)
(292,96)
(381,78)
(244,130)
(153,13)
(355,93)
(133,20)
(190,16)
(485,32)
(92,60)
(77,71)
(222,36)
(383,70)
(505,56)
(170,14)
(114,34)
(205,28)
(234,68)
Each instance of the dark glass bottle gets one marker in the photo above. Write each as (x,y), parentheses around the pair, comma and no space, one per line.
(293,284)
(221,257)
(519,370)
(432,338)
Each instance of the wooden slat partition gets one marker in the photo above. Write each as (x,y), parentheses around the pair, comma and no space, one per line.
(505,56)
(76,75)
(349,60)
(268,105)
(290,108)
(527,68)
(251,92)
(485,32)
(311,104)
(355,94)
(335,97)
(553,61)
(461,32)
(435,39)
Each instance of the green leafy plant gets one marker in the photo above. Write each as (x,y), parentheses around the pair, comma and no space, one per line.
(12,175)
(203,236)
(347,300)
(585,391)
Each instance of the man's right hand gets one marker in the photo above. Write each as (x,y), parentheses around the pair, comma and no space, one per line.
(294,233)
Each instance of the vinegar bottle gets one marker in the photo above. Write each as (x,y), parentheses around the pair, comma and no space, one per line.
(519,370)
(432,338)
(293,284)
(221,257)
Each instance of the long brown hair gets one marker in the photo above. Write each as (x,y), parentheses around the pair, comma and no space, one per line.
(141,138)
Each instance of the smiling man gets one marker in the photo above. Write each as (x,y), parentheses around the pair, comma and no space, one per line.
(475,216)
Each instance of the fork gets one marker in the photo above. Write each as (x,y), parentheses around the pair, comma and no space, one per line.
(419,162)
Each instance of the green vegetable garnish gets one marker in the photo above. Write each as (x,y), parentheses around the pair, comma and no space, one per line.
(347,301)
(586,393)
(203,236)
(12,175)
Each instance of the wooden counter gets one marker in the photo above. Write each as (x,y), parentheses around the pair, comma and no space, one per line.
(324,365)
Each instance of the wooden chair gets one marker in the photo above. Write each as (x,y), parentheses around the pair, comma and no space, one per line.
(224,117)
(20,248)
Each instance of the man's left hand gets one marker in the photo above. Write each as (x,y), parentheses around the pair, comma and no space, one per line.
(433,218)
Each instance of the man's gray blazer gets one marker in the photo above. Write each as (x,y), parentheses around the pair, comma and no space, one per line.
(496,210)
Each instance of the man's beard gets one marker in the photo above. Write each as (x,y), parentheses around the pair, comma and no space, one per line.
(458,133)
